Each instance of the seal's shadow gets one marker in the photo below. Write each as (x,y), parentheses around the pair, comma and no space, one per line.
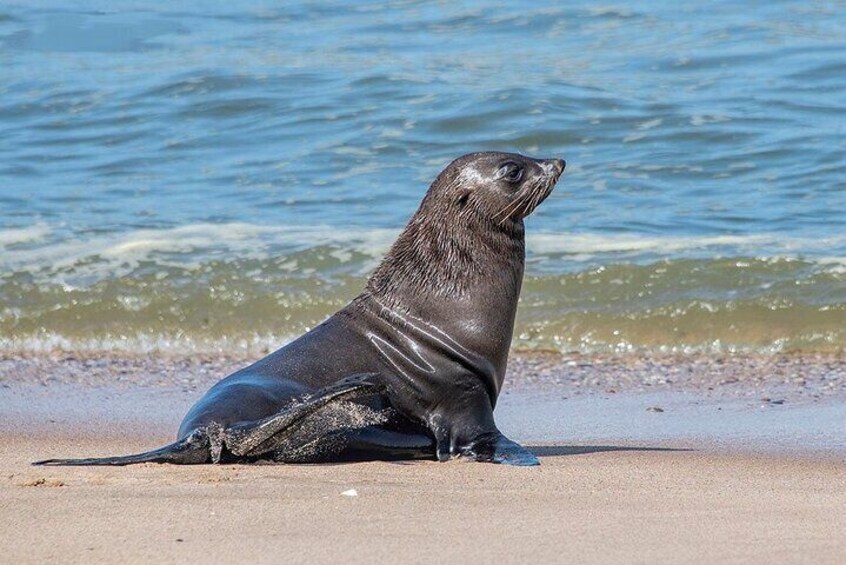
(562,450)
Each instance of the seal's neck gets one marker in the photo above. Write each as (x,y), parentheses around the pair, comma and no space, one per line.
(461,273)
(449,258)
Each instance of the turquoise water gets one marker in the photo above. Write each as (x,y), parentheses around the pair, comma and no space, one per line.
(209,175)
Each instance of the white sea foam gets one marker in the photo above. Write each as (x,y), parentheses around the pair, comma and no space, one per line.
(12,236)
(144,343)
(185,246)
(44,251)
(589,246)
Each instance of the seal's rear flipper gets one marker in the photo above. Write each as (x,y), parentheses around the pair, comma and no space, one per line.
(246,440)
(194,449)
(253,439)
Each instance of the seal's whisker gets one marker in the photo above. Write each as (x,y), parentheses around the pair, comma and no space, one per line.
(511,207)
(524,203)
(527,207)
(508,210)
(536,191)
(540,191)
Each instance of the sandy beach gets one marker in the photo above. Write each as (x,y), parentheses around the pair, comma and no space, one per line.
(683,470)
(587,505)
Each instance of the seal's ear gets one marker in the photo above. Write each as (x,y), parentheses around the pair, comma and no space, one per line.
(462,197)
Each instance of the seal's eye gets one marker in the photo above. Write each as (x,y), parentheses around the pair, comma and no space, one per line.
(511,172)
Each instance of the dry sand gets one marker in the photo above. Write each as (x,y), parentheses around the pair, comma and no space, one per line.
(720,475)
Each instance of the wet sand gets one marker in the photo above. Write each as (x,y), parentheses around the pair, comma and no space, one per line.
(688,460)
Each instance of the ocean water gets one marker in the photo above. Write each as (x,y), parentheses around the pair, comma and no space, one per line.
(203,176)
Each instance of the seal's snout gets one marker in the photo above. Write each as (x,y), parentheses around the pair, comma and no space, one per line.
(555,166)
(559,165)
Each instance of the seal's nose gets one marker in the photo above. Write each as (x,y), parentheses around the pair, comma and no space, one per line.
(556,165)
(559,165)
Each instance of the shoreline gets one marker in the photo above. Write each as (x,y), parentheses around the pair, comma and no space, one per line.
(797,373)
(743,403)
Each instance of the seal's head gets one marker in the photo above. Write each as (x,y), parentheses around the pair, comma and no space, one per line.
(500,187)
(468,229)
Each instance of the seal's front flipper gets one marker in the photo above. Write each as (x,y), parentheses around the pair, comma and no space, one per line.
(499,449)
(253,439)
(191,450)
(490,447)
(465,428)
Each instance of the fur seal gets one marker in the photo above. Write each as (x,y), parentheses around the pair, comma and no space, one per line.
(413,366)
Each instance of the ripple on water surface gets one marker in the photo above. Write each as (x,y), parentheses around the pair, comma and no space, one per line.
(197,166)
